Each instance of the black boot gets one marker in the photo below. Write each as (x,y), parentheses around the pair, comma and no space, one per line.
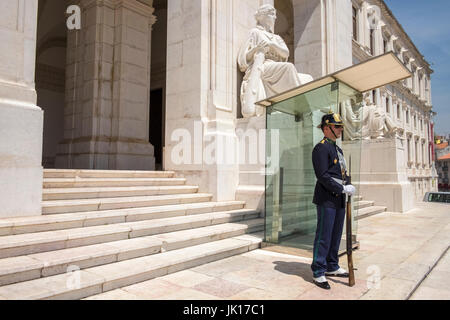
(340,273)
(322,282)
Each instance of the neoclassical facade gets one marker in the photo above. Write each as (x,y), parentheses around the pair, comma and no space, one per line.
(407,104)
(141,76)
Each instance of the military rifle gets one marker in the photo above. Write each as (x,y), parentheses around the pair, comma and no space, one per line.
(351,273)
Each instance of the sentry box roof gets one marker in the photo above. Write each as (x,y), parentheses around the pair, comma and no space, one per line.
(368,75)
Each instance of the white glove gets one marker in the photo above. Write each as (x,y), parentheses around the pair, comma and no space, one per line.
(349,189)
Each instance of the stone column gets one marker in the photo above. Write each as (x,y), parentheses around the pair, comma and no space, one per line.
(421,85)
(220,130)
(203,39)
(108,88)
(21,121)
(186,89)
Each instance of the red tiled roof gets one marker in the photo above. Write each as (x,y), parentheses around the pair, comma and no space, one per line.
(446,157)
(442,146)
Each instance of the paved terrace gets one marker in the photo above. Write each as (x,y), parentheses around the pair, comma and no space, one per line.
(397,252)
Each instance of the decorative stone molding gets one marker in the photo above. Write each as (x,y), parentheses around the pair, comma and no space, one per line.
(395,99)
(222,34)
(397,29)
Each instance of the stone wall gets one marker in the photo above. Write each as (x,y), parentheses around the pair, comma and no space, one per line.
(203,85)
(20,119)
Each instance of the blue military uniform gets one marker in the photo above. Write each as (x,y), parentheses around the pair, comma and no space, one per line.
(330,170)
(328,192)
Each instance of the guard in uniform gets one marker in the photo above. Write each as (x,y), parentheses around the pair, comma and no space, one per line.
(329,197)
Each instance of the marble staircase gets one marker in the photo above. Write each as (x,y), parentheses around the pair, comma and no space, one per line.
(102,230)
(366,208)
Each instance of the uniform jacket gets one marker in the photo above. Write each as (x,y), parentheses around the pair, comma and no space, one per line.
(328,192)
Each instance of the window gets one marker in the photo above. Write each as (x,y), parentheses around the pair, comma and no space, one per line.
(423,153)
(416,152)
(373,96)
(407,116)
(429,156)
(398,111)
(372,42)
(385,45)
(387,105)
(355,23)
(439,197)
(408,147)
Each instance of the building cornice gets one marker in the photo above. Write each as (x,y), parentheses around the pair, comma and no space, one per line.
(394,23)
(361,54)
(406,93)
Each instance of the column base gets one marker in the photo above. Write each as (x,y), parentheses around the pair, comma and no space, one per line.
(383,177)
(103,155)
(21,127)
(397,197)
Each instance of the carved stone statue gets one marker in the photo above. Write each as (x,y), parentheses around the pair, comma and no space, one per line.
(263,58)
(352,121)
(376,124)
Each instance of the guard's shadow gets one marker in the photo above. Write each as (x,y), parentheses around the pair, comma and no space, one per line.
(303,270)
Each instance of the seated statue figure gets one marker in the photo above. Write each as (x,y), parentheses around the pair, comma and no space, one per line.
(352,121)
(376,124)
(263,58)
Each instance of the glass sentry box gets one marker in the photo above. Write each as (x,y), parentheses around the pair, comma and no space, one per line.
(291,122)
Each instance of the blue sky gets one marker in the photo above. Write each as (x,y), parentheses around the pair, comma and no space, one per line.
(428,25)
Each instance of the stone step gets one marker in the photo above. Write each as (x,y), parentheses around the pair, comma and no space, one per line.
(67,206)
(369,211)
(357,198)
(72,173)
(21,225)
(114,192)
(252,178)
(308,227)
(96,280)
(24,244)
(110,182)
(34,266)
(253,196)
(363,204)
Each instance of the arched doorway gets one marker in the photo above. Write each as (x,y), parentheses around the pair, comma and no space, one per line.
(158,82)
(51,49)
(102,87)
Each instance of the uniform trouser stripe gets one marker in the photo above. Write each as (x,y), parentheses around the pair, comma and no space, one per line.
(317,244)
